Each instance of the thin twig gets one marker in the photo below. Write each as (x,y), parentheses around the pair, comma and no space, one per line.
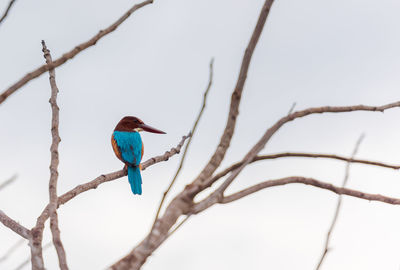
(11,250)
(10,4)
(55,231)
(72,53)
(338,205)
(192,132)
(326,156)
(178,226)
(7,182)
(292,108)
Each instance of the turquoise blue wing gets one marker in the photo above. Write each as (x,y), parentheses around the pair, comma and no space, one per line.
(130,146)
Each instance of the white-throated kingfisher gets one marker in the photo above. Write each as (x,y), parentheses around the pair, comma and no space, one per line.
(128,147)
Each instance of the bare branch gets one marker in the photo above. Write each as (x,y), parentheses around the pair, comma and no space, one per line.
(250,156)
(55,231)
(109,177)
(305,155)
(12,249)
(307,181)
(326,156)
(193,130)
(118,174)
(8,181)
(90,185)
(226,137)
(339,204)
(182,202)
(15,226)
(10,4)
(36,250)
(217,195)
(72,53)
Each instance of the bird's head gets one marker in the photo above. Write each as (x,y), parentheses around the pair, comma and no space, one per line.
(132,123)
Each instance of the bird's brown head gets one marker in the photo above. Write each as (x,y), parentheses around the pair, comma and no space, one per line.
(132,123)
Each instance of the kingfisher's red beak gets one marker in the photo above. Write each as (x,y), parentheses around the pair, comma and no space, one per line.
(151,129)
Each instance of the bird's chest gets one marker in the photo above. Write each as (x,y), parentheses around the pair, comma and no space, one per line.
(129,146)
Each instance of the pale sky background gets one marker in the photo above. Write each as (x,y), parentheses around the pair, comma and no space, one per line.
(155,66)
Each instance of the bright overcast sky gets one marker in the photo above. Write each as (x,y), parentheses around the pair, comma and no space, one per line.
(155,66)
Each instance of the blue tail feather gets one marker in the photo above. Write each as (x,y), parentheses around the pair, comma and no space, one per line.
(135,179)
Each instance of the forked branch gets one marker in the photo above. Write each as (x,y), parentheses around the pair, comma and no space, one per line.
(251,155)
(104,178)
(182,202)
(226,137)
(193,131)
(303,155)
(36,246)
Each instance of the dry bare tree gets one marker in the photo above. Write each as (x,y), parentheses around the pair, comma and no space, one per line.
(184,203)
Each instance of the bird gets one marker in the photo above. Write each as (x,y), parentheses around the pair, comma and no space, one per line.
(128,147)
